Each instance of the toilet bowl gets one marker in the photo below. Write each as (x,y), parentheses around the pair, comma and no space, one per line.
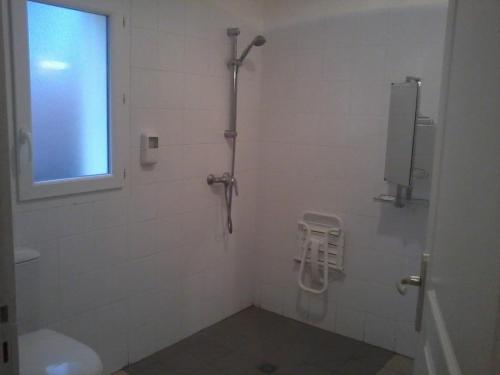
(43,351)
(46,352)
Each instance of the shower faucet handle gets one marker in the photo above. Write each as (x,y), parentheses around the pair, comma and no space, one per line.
(224,179)
(211,179)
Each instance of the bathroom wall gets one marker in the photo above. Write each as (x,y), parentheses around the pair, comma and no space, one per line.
(133,270)
(328,66)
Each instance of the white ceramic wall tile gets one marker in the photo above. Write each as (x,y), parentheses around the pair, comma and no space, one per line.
(197,91)
(28,315)
(337,63)
(142,174)
(75,219)
(200,17)
(296,304)
(197,197)
(144,307)
(168,326)
(170,236)
(279,63)
(49,298)
(369,98)
(321,312)
(340,30)
(380,332)
(169,166)
(144,13)
(372,26)
(172,16)
(172,90)
(406,339)
(142,341)
(369,62)
(36,226)
(144,50)
(109,213)
(113,331)
(198,55)
(171,51)
(144,239)
(311,35)
(145,88)
(350,323)
(309,64)
(192,313)
(144,202)
(204,126)
(170,199)
(81,293)
(334,97)
(78,254)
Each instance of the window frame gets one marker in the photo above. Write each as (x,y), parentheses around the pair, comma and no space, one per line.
(118,85)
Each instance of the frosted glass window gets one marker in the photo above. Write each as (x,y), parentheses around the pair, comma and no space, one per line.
(68,64)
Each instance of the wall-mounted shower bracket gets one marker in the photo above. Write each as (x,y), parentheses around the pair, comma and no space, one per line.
(234,63)
(230,134)
(233,31)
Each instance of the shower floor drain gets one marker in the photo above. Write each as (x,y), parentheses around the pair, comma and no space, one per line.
(267,368)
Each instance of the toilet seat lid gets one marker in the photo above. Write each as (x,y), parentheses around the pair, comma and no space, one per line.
(46,352)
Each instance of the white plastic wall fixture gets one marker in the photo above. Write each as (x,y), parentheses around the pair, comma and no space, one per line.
(321,244)
(150,148)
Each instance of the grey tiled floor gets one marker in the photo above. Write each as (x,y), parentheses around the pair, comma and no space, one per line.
(254,337)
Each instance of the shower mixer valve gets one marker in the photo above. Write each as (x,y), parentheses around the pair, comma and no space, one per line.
(230,183)
(226,179)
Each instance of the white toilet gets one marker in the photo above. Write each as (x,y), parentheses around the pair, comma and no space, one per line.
(45,352)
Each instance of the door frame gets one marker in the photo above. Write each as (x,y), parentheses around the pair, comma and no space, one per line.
(445,358)
(8,324)
(432,312)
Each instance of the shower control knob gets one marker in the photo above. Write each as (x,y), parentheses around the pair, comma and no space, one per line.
(210,179)
(224,179)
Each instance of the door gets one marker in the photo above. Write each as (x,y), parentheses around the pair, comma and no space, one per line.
(460,325)
(8,334)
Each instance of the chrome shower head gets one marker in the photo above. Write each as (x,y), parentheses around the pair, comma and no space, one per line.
(258,41)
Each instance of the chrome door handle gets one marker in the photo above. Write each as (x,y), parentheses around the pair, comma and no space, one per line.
(410,280)
(418,281)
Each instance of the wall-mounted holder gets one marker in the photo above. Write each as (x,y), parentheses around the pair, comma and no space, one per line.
(399,201)
(410,140)
(321,244)
(150,146)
